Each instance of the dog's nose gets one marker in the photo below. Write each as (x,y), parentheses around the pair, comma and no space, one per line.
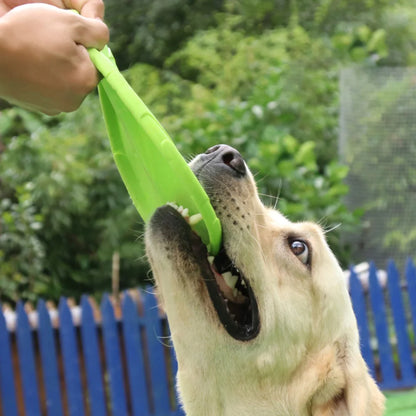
(229,156)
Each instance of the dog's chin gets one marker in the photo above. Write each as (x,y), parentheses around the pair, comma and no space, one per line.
(235,304)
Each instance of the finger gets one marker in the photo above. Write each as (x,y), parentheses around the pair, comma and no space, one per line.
(7,5)
(93,9)
(87,8)
(91,33)
(14,3)
(86,71)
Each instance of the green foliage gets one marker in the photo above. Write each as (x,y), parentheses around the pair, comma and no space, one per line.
(64,211)
(295,70)
(362,44)
(260,128)
(260,75)
(143,31)
(21,252)
(400,25)
(383,159)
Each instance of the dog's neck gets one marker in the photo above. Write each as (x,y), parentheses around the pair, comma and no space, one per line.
(210,387)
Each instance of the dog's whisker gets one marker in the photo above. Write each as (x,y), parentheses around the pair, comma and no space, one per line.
(274,198)
(334,227)
(149,291)
(165,340)
(190,157)
(259,180)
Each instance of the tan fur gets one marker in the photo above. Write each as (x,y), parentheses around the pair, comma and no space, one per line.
(306,359)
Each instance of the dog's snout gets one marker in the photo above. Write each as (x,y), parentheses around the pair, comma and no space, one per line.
(228,156)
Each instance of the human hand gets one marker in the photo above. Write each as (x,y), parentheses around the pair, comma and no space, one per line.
(44,63)
(87,8)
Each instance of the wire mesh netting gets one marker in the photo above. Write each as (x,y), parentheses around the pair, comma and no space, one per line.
(378,142)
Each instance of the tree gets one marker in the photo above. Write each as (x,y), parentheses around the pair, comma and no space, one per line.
(143,31)
(64,209)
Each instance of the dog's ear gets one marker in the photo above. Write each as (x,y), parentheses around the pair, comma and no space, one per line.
(359,395)
(362,396)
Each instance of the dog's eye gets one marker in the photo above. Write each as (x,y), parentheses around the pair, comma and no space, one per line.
(301,250)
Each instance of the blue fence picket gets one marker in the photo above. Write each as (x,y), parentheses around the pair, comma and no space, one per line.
(27,364)
(49,362)
(7,391)
(71,360)
(113,359)
(178,411)
(411,289)
(360,310)
(400,323)
(382,333)
(156,354)
(134,355)
(92,360)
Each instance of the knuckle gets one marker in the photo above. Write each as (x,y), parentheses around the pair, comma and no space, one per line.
(105,34)
(89,79)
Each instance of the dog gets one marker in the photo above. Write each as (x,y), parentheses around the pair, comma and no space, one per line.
(266,327)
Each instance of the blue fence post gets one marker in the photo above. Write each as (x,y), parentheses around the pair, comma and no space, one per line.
(134,355)
(381,325)
(360,310)
(156,354)
(113,358)
(27,363)
(71,360)
(179,411)
(7,390)
(411,290)
(92,360)
(49,362)
(400,323)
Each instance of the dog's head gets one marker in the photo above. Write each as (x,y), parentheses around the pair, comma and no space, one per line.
(273,299)
(272,278)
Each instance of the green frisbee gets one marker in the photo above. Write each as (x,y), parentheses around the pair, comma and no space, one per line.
(153,170)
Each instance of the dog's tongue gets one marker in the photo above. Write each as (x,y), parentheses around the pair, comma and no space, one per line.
(230,293)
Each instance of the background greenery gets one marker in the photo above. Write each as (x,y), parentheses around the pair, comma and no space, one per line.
(260,75)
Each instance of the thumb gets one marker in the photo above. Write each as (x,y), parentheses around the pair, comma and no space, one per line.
(91,33)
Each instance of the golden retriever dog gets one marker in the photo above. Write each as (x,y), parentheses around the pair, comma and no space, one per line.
(266,328)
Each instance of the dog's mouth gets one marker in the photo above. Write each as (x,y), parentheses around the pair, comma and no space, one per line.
(229,290)
(233,298)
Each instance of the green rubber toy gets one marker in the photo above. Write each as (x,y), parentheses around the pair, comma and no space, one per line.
(149,163)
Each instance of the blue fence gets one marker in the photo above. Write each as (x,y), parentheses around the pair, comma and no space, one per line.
(113,363)
(386,318)
(116,360)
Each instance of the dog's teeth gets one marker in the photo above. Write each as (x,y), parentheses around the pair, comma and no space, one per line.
(195,219)
(235,292)
(230,279)
(173,205)
(243,283)
(211,259)
(192,220)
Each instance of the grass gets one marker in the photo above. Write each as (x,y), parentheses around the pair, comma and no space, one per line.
(401,403)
